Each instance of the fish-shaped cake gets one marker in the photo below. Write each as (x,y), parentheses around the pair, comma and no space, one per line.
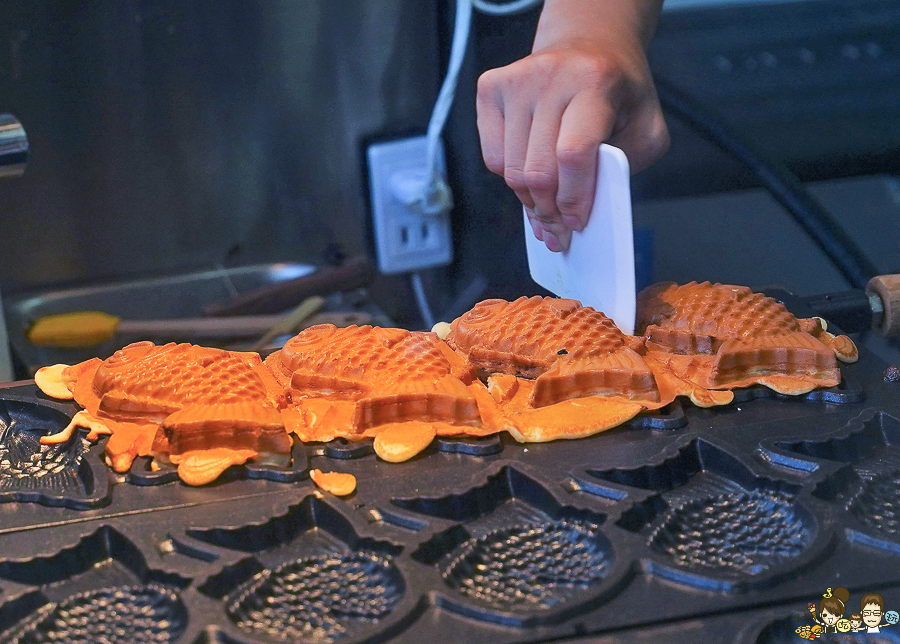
(719,336)
(199,408)
(557,369)
(359,381)
(569,350)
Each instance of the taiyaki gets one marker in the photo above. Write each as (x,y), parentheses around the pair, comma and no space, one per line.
(202,409)
(557,369)
(718,336)
(570,351)
(359,381)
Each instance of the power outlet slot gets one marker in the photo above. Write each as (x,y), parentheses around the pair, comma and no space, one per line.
(405,240)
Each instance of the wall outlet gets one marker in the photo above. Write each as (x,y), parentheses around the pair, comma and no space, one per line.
(405,240)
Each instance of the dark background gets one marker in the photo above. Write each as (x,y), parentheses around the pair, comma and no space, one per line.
(169,135)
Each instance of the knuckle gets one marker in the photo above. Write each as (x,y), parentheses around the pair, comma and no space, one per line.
(570,204)
(546,220)
(576,153)
(548,62)
(657,143)
(555,227)
(645,140)
(515,179)
(539,180)
(488,81)
(536,69)
(494,163)
(656,148)
(662,140)
(587,70)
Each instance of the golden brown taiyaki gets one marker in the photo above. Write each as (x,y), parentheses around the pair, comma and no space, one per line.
(558,369)
(718,336)
(360,381)
(202,409)
(569,350)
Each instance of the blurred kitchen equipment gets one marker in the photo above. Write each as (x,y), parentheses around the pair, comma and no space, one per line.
(353,273)
(163,298)
(598,268)
(290,321)
(821,226)
(92,328)
(342,319)
(13,158)
(13,147)
(877,308)
(339,319)
(883,293)
(6,370)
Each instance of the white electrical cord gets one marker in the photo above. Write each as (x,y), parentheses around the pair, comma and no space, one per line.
(436,197)
(421,300)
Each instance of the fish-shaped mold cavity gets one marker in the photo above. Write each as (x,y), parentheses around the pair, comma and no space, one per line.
(570,351)
(353,382)
(719,336)
(201,408)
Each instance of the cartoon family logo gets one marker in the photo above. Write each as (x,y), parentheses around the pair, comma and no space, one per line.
(829,618)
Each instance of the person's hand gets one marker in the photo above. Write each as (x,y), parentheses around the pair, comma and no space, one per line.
(541,119)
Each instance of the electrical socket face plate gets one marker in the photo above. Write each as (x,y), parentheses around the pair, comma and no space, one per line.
(405,240)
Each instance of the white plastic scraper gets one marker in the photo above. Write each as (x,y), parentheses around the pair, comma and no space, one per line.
(598,268)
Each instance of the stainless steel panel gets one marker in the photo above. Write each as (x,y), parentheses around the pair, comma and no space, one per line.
(168,134)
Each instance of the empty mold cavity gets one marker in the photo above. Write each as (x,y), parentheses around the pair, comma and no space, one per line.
(698,457)
(505,487)
(99,590)
(868,484)
(312,517)
(711,514)
(59,475)
(747,532)
(320,599)
(864,437)
(311,577)
(876,504)
(782,631)
(120,615)
(514,548)
(535,565)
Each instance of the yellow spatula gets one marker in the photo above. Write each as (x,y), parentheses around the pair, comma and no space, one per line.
(90,328)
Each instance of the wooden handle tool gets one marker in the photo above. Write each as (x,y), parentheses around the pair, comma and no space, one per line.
(353,273)
(82,329)
(883,292)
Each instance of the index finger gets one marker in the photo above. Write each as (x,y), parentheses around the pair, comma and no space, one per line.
(490,122)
